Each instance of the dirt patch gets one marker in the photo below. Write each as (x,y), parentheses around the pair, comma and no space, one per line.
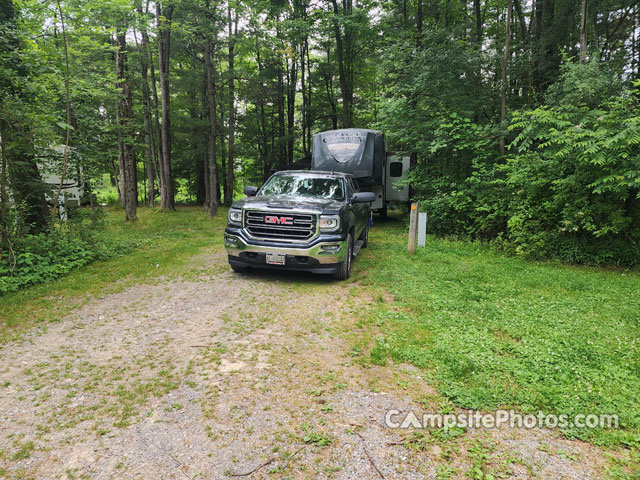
(230,374)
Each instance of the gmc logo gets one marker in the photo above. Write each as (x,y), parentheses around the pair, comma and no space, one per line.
(278,220)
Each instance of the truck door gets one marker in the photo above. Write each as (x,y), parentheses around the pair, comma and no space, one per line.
(397,167)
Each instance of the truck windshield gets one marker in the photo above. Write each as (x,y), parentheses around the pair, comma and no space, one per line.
(304,186)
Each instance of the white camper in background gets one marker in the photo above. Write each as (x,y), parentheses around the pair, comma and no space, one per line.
(50,169)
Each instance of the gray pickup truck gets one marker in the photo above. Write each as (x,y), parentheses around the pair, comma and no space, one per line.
(300,220)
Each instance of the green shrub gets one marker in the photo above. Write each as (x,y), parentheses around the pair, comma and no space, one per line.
(568,188)
(44,257)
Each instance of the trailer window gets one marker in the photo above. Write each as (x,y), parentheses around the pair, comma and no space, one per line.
(304,186)
(395,169)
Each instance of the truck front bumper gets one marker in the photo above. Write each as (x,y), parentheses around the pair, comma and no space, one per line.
(324,254)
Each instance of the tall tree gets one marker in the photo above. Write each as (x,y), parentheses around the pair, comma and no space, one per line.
(345,88)
(28,190)
(583,32)
(232,23)
(503,77)
(213,131)
(149,142)
(164,13)
(128,177)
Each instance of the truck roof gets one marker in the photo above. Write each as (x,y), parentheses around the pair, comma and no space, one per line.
(316,173)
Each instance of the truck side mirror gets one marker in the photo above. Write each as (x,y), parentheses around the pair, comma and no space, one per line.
(363,197)
(250,191)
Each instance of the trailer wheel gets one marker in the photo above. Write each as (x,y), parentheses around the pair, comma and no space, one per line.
(345,267)
(383,212)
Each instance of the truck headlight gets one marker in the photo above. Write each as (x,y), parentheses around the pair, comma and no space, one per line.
(329,223)
(235,216)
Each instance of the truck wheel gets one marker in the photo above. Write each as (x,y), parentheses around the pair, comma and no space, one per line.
(345,267)
(239,269)
(364,236)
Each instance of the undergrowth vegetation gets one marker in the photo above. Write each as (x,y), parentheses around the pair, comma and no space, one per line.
(45,256)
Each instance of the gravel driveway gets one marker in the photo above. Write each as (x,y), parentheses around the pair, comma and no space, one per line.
(222,375)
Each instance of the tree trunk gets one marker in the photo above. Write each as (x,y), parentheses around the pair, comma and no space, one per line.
(523,25)
(292,80)
(419,19)
(128,172)
(119,174)
(65,155)
(309,122)
(164,49)
(228,197)
(478,15)
(148,127)
(503,88)
(213,132)
(266,157)
(3,182)
(148,136)
(156,138)
(281,131)
(305,148)
(346,107)
(583,32)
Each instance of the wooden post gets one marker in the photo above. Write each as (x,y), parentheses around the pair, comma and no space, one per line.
(413,228)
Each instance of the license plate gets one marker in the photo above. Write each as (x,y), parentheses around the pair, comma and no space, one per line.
(276,259)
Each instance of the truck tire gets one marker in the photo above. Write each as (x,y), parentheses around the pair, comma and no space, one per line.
(345,267)
(239,269)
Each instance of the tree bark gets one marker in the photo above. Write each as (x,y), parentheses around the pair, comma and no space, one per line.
(148,126)
(292,80)
(65,157)
(228,197)
(346,107)
(281,131)
(503,87)
(309,122)
(419,20)
(119,174)
(3,182)
(583,32)
(129,174)
(213,132)
(164,48)
(303,86)
(328,84)
(478,14)
(523,25)
(153,100)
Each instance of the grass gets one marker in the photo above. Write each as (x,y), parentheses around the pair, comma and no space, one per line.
(493,331)
(488,331)
(168,240)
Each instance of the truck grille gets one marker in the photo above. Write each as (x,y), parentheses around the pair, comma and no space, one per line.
(299,227)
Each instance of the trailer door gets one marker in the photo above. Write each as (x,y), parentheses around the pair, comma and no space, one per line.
(397,167)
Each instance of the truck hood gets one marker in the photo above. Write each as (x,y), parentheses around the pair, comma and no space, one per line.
(280,202)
